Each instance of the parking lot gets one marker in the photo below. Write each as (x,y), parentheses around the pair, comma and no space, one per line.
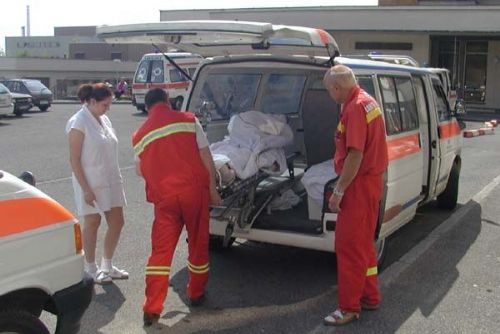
(253,287)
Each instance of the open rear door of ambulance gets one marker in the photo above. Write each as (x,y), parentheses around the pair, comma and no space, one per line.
(215,38)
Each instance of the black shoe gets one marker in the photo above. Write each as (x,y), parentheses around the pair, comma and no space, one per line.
(150,319)
(197,301)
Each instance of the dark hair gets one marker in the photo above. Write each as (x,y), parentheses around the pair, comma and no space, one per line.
(84,92)
(154,96)
(97,91)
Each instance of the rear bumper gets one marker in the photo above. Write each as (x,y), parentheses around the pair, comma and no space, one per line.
(71,304)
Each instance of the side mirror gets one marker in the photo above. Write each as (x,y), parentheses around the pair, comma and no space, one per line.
(28,177)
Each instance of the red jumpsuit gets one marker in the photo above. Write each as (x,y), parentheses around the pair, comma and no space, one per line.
(177,183)
(361,127)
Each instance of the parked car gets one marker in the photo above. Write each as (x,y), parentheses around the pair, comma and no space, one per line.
(41,261)
(278,70)
(6,106)
(40,94)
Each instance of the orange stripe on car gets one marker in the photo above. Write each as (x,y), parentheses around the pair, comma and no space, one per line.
(24,214)
(401,147)
(183,84)
(448,130)
(323,35)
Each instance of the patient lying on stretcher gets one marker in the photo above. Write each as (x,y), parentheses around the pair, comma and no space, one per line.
(255,143)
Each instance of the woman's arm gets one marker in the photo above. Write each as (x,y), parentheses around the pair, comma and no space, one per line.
(76,138)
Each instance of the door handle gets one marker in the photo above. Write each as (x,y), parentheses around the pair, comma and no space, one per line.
(434,144)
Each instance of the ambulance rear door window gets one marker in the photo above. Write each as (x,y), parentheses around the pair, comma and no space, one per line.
(157,75)
(141,75)
(283,93)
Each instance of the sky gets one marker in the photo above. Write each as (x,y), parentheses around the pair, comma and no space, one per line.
(47,14)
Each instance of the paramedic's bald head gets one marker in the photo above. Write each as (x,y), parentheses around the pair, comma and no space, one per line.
(338,81)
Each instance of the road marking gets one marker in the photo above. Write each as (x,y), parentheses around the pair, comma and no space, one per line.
(64,179)
(480,196)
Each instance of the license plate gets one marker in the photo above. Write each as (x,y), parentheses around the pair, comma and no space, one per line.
(44,102)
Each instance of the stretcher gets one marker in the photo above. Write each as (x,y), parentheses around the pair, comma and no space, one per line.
(244,200)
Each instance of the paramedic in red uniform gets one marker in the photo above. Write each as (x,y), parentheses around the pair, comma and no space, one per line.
(360,161)
(173,156)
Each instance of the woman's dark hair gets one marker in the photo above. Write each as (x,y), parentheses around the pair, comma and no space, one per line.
(84,92)
(97,91)
(154,96)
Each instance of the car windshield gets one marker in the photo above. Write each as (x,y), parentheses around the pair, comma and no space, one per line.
(3,89)
(35,85)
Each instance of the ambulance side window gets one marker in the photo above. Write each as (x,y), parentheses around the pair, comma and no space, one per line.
(407,104)
(177,76)
(157,71)
(441,102)
(390,105)
(366,83)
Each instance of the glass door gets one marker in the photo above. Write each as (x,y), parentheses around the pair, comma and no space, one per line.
(476,56)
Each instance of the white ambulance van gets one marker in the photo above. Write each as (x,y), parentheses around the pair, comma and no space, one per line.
(278,70)
(155,71)
(41,261)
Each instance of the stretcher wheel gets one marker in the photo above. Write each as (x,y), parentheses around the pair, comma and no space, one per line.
(216,243)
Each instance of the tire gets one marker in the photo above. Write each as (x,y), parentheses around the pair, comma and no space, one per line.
(381,250)
(18,113)
(447,200)
(44,108)
(216,243)
(178,103)
(22,322)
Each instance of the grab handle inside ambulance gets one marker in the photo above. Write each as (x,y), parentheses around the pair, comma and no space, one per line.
(329,218)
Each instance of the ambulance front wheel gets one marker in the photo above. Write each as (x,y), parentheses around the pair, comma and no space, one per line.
(21,321)
(448,198)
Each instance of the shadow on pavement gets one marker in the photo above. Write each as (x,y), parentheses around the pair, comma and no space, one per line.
(107,301)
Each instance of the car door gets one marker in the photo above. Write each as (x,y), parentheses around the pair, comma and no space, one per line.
(405,171)
(448,134)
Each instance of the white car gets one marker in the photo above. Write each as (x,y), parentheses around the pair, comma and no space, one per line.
(6,106)
(41,261)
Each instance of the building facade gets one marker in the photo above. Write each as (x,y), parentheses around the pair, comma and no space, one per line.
(463,36)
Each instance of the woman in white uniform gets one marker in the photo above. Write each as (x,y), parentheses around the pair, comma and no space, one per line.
(97,181)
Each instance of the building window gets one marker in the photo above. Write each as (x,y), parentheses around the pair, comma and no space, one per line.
(476,56)
(383,46)
(79,55)
(116,55)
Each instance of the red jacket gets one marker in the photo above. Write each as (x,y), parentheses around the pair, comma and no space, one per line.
(169,155)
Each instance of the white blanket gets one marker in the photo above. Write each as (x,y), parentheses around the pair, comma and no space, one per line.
(315,179)
(255,142)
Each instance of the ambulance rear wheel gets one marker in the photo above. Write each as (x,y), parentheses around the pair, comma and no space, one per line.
(448,198)
(22,322)
(216,243)
(381,250)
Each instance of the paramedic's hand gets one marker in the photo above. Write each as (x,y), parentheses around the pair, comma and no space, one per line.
(89,198)
(334,203)
(215,198)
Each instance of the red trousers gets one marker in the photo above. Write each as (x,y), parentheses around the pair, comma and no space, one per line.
(354,243)
(190,208)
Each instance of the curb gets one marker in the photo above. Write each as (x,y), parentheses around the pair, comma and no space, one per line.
(488,129)
(389,275)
